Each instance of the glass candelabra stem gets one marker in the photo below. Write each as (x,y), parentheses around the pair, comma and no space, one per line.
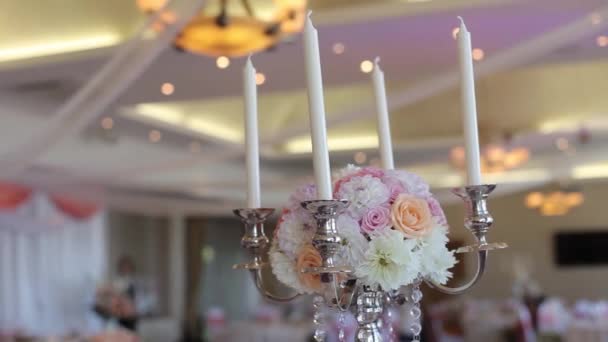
(370,304)
(390,324)
(341,332)
(319,320)
(416,312)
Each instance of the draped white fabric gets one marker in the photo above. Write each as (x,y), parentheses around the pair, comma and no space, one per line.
(50,264)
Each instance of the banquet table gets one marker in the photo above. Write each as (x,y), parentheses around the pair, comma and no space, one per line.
(587,331)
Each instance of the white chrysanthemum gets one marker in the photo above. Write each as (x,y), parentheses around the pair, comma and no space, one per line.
(438,235)
(436,259)
(303,193)
(349,170)
(293,234)
(364,193)
(355,244)
(390,261)
(284,268)
(437,262)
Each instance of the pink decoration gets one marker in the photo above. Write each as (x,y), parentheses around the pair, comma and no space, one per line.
(376,219)
(77,209)
(13,195)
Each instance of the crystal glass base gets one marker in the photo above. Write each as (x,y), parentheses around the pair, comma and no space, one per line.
(482,247)
(327,269)
(249,266)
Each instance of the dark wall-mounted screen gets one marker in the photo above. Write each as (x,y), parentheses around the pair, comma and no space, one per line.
(581,248)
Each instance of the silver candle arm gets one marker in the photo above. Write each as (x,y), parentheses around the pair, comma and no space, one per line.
(481,265)
(478,221)
(256,242)
(259,284)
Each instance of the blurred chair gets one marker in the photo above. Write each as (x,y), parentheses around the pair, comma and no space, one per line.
(215,322)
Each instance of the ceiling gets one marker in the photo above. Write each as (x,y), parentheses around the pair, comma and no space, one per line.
(543,77)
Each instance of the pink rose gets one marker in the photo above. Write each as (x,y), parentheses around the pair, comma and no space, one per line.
(411,215)
(376,219)
(395,188)
(436,210)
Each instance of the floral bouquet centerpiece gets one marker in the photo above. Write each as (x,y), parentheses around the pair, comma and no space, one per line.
(393,232)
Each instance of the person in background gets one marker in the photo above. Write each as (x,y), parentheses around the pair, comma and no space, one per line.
(116,301)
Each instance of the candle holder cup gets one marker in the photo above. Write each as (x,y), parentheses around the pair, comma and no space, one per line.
(256,242)
(254,239)
(478,222)
(478,219)
(326,239)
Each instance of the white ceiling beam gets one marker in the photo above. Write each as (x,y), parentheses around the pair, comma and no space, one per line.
(104,88)
(524,52)
(374,10)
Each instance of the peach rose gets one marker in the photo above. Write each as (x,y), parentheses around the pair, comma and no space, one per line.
(309,257)
(411,215)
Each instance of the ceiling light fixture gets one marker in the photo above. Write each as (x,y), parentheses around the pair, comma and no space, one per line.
(150,6)
(360,157)
(302,145)
(555,203)
(155,113)
(596,18)
(367,66)
(167,89)
(478,54)
(214,129)
(107,123)
(154,136)
(494,158)
(222,62)
(260,78)
(50,48)
(338,48)
(236,28)
(590,171)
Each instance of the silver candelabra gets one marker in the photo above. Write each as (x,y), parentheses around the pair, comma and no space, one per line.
(344,292)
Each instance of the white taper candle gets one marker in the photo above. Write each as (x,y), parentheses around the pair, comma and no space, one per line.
(469,108)
(251,135)
(384,128)
(316,109)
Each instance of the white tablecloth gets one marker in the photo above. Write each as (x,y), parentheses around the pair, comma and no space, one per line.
(264,332)
(587,331)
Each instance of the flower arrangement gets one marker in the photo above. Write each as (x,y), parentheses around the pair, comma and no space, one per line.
(394,232)
(110,302)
